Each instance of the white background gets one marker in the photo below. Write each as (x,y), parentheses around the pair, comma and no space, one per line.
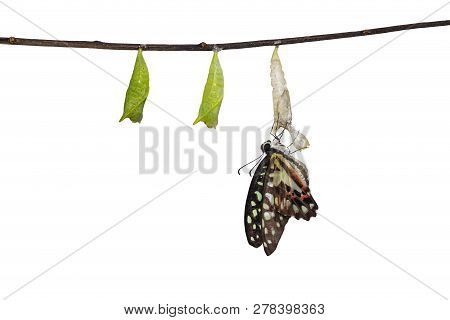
(379,162)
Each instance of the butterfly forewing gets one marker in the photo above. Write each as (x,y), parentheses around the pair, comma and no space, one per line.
(253,205)
(273,220)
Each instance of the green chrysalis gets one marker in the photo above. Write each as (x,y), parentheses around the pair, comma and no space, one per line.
(137,91)
(212,95)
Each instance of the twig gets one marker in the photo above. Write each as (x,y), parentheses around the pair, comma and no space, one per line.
(222,46)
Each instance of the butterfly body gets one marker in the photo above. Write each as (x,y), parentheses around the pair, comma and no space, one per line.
(279,190)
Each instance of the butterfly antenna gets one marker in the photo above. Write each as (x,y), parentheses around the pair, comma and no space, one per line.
(250,173)
(239,170)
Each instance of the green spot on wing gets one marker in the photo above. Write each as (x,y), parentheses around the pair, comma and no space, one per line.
(137,92)
(212,95)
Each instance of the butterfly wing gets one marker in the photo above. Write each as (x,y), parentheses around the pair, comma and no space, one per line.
(272,219)
(289,179)
(286,194)
(272,223)
(305,197)
(254,203)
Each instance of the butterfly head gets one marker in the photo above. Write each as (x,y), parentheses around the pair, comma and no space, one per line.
(266,146)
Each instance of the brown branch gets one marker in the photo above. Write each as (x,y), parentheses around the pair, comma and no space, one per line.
(222,46)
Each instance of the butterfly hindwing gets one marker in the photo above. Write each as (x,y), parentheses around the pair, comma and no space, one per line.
(289,180)
(305,196)
(273,224)
(254,203)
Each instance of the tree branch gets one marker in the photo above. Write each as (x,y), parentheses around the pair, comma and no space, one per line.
(222,46)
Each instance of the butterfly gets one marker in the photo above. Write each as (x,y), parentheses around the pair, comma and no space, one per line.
(278,191)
